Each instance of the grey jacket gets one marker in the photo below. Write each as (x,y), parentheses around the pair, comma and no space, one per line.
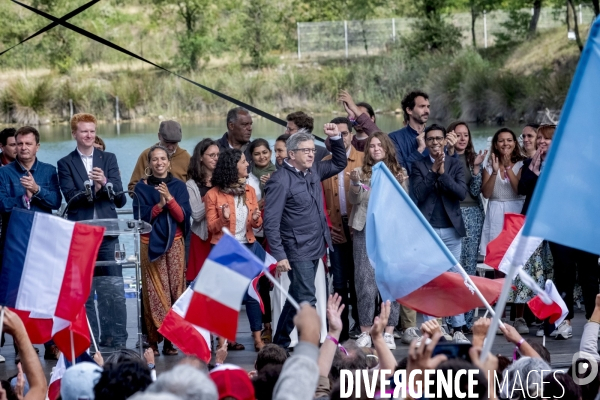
(294,221)
(199,225)
(427,185)
(300,374)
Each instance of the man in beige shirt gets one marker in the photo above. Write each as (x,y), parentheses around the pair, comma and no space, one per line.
(169,136)
(338,208)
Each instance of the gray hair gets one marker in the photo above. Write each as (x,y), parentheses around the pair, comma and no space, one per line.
(185,382)
(520,370)
(303,135)
(232,115)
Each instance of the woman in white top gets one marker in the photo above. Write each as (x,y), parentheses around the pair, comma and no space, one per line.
(500,184)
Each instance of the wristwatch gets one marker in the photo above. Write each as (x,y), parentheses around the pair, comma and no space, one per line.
(151,366)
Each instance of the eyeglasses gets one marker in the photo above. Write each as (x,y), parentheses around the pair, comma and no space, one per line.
(307,150)
(214,155)
(438,139)
(344,133)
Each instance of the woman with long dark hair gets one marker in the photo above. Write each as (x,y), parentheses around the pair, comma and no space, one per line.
(165,204)
(232,204)
(471,207)
(378,148)
(202,164)
(500,182)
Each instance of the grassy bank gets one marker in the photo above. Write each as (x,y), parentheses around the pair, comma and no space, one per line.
(477,87)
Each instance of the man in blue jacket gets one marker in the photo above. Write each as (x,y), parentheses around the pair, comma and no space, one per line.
(410,140)
(295,222)
(30,184)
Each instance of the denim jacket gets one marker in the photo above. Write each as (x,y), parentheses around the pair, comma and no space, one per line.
(12,193)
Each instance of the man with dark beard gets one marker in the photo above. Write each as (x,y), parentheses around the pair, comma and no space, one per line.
(410,140)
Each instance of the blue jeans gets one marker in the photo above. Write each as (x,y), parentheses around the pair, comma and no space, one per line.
(453,242)
(302,289)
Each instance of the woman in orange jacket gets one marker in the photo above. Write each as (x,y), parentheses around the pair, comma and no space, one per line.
(232,204)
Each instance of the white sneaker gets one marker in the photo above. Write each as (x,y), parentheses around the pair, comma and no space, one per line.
(521,326)
(554,332)
(397,334)
(364,340)
(564,331)
(446,335)
(2,359)
(460,337)
(389,340)
(410,334)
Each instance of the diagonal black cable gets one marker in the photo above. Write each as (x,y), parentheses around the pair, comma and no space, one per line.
(105,42)
(54,24)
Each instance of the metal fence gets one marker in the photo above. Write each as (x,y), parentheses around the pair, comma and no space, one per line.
(367,37)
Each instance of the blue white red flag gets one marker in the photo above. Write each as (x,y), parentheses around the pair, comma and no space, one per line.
(556,311)
(221,285)
(48,264)
(410,260)
(189,338)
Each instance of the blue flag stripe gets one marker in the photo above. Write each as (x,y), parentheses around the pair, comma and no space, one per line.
(381,166)
(235,256)
(564,206)
(15,250)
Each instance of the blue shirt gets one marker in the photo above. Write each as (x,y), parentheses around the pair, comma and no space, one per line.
(405,141)
(12,192)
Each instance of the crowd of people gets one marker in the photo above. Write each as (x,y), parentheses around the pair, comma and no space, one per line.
(306,203)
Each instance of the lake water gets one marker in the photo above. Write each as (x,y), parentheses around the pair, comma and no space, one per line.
(129,139)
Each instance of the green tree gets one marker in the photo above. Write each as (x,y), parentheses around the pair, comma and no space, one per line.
(431,32)
(198,39)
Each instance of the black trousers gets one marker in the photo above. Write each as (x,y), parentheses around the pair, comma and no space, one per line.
(342,269)
(571,265)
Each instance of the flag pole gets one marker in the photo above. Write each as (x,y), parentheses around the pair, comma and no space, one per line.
(491,333)
(281,289)
(91,333)
(476,289)
(72,344)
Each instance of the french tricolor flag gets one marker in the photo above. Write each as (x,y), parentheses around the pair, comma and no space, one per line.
(555,312)
(189,338)
(221,285)
(48,267)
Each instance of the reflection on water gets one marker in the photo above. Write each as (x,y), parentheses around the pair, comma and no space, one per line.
(132,138)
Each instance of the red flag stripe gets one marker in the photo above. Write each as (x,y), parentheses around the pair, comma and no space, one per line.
(81,336)
(497,248)
(448,295)
(77,280)
(213,316)
(185,336)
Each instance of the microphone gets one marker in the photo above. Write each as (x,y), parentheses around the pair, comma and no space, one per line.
(88,190)
(111,191)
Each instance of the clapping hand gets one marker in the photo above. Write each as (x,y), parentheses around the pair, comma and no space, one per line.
(536,162)
(256,214)
(331,130)
(438,165)
(97,175)
(165,196)
(480,157)
(29,184)
(421,141)
(495,162)
(265,178)
(226,212)
(451,139)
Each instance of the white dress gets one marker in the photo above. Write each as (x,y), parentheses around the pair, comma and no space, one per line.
(503,200)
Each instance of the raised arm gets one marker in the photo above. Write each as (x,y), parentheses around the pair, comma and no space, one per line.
(327,169)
